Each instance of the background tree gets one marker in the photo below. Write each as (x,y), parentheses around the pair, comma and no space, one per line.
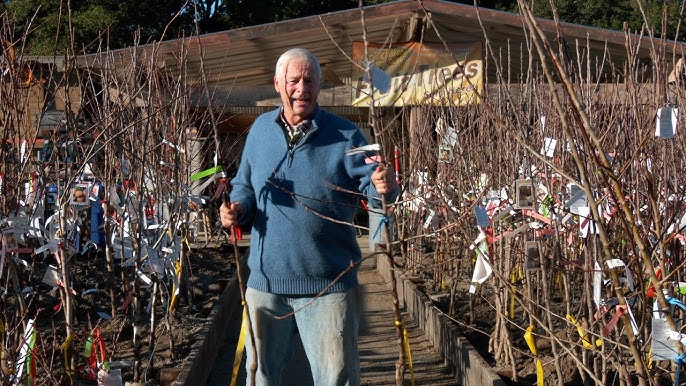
(117,23)
(219,15)
(610,14)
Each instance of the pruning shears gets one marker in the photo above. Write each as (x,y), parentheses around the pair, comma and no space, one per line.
(236,233)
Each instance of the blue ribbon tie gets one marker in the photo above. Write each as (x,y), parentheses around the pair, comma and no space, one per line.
(679,361)
(382,221)
(676,302)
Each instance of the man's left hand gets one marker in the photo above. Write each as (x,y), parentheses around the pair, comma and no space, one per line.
(383,179)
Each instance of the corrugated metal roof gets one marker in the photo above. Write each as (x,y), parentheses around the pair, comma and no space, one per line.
(247,56)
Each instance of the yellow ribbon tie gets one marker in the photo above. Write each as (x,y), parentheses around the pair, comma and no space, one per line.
(511,311)
(172,304)
(529,338)
(581,332)
(558,281)
(531,342)
(408,353)
(539,372)
(240,347)
(68,351)
(7,370)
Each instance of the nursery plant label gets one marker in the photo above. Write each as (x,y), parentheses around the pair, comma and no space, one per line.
(431,220)
(445,154)
(587,225)
(505,212)
(532,256)
(524,189)
(482,268)
(379,79)
(156,265)
(446,133)
(577,198)
(51,276)
(548,148)
(665,126)
(663,348)
(481,216)
(79,194)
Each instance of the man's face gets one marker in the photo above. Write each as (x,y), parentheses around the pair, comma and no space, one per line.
(299,88)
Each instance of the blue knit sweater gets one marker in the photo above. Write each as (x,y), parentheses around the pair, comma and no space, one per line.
(300,202)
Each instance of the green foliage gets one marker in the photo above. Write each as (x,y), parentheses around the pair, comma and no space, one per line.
(654,15)
(612,14)
(601,13)
(242,13)
(93,23)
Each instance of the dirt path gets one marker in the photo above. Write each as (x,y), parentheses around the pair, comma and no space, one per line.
(378,345)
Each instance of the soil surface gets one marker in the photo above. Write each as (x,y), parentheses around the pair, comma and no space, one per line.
(208,269)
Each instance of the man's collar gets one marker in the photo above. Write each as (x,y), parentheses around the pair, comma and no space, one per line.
(305,124)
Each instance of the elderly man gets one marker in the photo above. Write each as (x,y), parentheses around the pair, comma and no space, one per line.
(300,191)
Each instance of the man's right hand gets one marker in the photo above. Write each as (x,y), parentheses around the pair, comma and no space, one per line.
(229,214)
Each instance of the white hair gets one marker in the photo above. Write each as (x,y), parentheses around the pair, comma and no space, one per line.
(297,54)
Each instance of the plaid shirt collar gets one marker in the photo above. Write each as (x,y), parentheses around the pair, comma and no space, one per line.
(296,132)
